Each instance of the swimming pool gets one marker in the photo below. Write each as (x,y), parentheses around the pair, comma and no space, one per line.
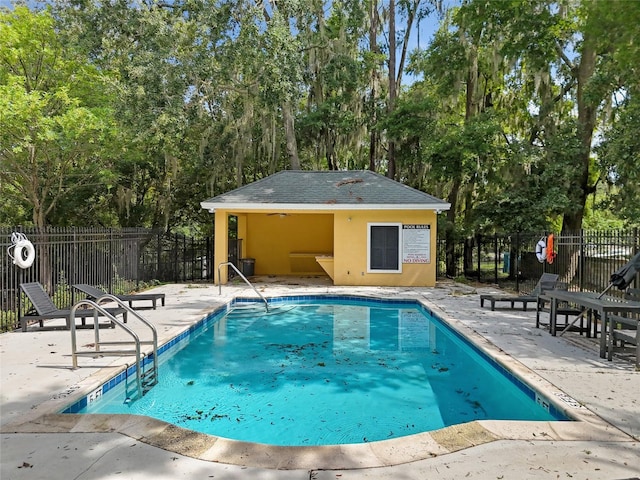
(324,370)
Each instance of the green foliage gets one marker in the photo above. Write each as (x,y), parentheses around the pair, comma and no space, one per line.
(522,60)
(619,157)
(280,73)
(129,114)
(62,295)
(443,63)
(51,140)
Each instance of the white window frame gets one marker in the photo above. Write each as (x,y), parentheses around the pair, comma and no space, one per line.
(398,225)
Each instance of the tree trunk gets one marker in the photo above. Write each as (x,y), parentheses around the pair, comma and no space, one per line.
(330,151)
(373,48)
(391,158)
(586,124)
(471,104)
(290,135)
(453,198)
(467,261)
(450,237)
(373,140)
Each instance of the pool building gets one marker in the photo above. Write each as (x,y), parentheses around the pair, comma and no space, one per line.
(357,227)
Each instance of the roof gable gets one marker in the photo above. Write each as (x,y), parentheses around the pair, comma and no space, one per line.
(325,190)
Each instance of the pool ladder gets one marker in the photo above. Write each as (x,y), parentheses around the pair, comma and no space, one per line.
(145,379)
(266,304)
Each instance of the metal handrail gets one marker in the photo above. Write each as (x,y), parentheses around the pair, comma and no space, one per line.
(266,304)
(98,309)
(154,332)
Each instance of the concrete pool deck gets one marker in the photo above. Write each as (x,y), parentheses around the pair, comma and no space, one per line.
(37,381)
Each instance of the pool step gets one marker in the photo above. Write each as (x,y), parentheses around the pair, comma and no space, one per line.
(244,312)
(256,310)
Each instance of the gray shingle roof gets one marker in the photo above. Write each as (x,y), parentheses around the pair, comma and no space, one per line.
(325,190)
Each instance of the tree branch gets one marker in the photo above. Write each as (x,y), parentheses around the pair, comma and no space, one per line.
(564,58)
(411,15)
(546,109)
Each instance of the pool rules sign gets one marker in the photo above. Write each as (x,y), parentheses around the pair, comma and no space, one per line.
(416,243)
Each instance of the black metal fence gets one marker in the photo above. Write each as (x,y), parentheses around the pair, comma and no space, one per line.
(125,260)
(585,260)
(119,260)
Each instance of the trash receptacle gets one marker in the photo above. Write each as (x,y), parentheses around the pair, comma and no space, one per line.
(248,266)
(505,263)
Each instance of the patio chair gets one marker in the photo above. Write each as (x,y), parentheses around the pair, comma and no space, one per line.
(94,293)
(45,309)
(625,329)
(544,305)
(547,282)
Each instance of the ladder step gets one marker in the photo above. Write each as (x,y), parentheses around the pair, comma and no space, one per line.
(148,379)
(147,386)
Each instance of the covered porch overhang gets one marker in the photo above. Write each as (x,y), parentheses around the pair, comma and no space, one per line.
(280,241)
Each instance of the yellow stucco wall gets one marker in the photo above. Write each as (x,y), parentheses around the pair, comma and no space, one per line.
(283,244)
(221,245)
(287,244)
(350,249)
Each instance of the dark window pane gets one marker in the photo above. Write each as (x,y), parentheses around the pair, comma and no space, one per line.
(384,247)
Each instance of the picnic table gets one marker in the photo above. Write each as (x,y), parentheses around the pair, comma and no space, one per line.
(601,306)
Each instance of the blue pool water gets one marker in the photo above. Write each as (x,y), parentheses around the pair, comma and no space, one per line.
(319,372)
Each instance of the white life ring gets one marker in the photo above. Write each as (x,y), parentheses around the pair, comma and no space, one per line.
(541,250)
(23,251)
(24,254)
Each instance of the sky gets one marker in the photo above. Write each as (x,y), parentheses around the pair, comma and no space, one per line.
(427,28)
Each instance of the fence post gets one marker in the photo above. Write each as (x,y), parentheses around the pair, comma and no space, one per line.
(479,245)
(184,258)
(19,274)
(208,260)
(175,265)
(73,276)
(110,269)
(636,249)
(495,258)
(517,261)
(158,254)
(138,255)
(581,262)
(18,280)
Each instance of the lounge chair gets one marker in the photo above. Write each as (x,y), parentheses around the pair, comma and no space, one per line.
(547,282)
(94,293)
(45,309)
